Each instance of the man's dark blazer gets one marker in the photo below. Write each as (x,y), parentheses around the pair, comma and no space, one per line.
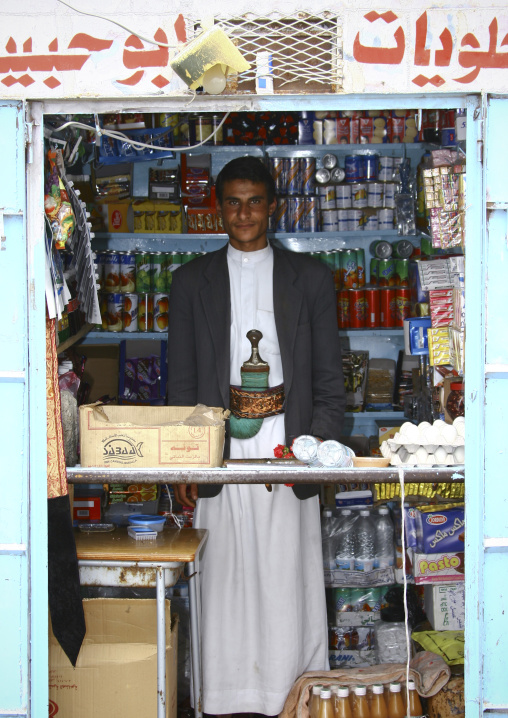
(306,321)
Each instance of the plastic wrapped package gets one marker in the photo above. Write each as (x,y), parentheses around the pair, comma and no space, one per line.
(390,642)
(380,385)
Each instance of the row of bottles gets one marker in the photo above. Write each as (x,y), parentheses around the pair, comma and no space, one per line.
(359,541)
(336,702)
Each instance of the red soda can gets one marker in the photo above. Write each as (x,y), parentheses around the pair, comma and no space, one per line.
(373,309)
(343,308)
(403,305)
(388,305)
(357,308)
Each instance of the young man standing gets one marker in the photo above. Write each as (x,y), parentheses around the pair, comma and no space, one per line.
(263,604)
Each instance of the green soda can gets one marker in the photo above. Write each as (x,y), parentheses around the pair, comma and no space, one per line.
(157,278)
(402,272)
(187,257)
(328,258)
(348,269)
(374,270)
(360,260)
(166,271)
(142,272)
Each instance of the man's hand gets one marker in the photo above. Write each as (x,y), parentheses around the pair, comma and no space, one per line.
(186,494)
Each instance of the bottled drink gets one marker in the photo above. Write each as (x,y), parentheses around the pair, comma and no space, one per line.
(395,704)
(361,707)
(378,707)
(365,542)
(342,705)
(415,705)
(328,538)
(345,545)
(326,704)
(315,700)
(385,549)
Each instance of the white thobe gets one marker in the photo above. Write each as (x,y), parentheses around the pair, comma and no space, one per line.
(263,602)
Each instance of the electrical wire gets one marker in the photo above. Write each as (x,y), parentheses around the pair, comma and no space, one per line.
(115,22)
(404,578)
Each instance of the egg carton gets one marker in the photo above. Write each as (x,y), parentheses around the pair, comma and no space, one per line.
(437,444)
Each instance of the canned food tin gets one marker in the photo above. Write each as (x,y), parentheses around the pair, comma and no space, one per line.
(388,304)
(130,313)
(115,311)
(385,172)
(374,270)
(142,272)
(338,175)
(397,163)
(386,272)
(370,221)
(358,195)
(323,176)
(112,272)
(375,194)
(343,308)
(385,219)
(343,220)
(360,260)
(402,304)
(389,192)
(348,269)
(381,249)
(312,216)
(357,308)
(371,167)
(354,168)
(293,177)
(127,272)
(355,220)
(160,312)
(157,278)
(402,272)
(145,312)
(329,161)
(282,215)
(330,220)
(308,170)
(326,194)
(278,172)
(402,249)
(296,214)
(343,196)
(373,307)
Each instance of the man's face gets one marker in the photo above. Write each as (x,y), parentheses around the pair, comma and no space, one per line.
(245,210)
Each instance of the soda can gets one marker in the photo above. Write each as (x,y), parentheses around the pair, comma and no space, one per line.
(326,194)
(127,272)
(312,215)
(294,177)
(358,195)
(403,305)
(282,215)
(342,599)
(343,220)
(386,272)
(357,308)
(308,170)
(402,272)
(296,214)
(348,269)
(160,312)
(329,220)
(375,194)
(115,312)
(343,196)
(360,260)
(130,313)
(370,221)
(329,161)
(354,168)
(175,261)
(371,167)
(337,175)
(389,192)
(388,304)
(323,176)
(186,257)
(385,218)
(103,307)
(355,220)
(278,172)
(385,172)
(402,249)
(143,270)
(343,309)
(328,258)
(374,270)
(112,272)
(336,272)
(155,271)
(373,307)
(381,249)
(145,312)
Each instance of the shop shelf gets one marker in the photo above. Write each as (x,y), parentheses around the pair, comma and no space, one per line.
(96,337)
(383,415)
(78,337)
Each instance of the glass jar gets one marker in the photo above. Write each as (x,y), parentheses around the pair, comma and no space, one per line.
(455,400)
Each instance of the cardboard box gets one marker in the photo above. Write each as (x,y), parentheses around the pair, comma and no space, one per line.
(139,437)
(87,508)
(116,670)
(101,369)
(444,606)
(438,567)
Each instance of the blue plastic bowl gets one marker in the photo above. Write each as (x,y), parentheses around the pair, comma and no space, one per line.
(154,522)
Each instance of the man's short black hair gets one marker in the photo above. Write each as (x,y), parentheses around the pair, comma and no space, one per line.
(245,168)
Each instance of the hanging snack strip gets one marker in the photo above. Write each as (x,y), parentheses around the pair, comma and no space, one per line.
(444,198)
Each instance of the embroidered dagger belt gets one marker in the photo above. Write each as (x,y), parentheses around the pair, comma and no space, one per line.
(257,404)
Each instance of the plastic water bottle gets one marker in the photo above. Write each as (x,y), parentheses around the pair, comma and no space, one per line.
(365,542)
(328,537)
(345,545)
(385,549)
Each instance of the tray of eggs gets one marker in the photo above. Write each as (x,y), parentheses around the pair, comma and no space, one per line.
(425,444)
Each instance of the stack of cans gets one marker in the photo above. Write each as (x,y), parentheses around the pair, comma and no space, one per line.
(297,204)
